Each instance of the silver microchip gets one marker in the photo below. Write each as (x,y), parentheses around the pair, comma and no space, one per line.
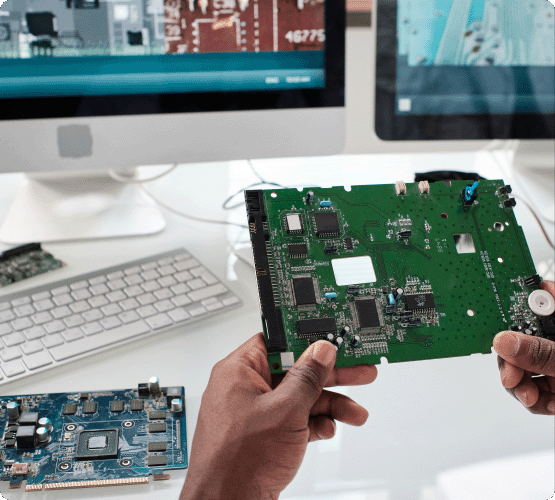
(97,442)
(294,223)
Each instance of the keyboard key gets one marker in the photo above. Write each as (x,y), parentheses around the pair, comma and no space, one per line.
(5,328)
(165,270)
(31,347)
(37,360)
(99,340)
(181,256)
(98,301)
(149,286)
(180,288)
(4,306)
(230,301)
(178,314)
(92,328)
(97,280)
(197,271)
(164,305)
(43,305)
(134,279)
(80,306)
(116,284)
(167,281)
(186,264)
(25,310)
(99,289)
(40,296)
(21,301)
(133,291)
(110,322)
(214,306)
(116,296)
(54,326)
(132,270)
(149,265)
(196,284)
(42,317)
(72,334)
(165,261)
(78,285)
(181,300)
(209,291)
(147,298)
(81,294)
(207,302)
(164,293)
(60,290)
(115,275)
(6,315)
(111,309)
(197,311)
(36,332)
(21,324)
(74,320)
(146,311)
(150,275)
(209,278)
(129,316)
(128,304)
(61,312)
(52,340)
(159,321)
(13,368)
(183,276)
(92,315)
(63,299)
(13,339)
(10,353)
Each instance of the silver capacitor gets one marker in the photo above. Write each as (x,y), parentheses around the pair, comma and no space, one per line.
(45,422)
(154,385)
(42,434)
(13,410)
(177,405)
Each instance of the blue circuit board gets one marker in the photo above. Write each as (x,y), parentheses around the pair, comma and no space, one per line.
(81,440)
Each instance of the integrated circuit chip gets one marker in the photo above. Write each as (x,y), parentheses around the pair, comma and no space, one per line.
(294,223)
(154,460)
(419,301)
(69,409)
(137,405)
(157,415)
(29,418)
(327,223)
(97,444)
(157,427)
(304,291)
(116,406)
(90,407)
(308,327)
(298,250)
(157,446)
(367,314)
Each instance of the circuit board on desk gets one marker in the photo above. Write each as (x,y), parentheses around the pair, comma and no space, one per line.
(83,440)
(405,271)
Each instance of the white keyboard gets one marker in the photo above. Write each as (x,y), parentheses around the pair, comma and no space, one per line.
(46,326)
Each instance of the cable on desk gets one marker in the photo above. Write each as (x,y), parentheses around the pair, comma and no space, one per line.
(124,180)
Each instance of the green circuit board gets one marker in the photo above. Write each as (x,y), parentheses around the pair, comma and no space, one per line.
(91,439)
(404,271)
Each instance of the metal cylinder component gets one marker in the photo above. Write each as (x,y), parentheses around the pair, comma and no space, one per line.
(42,434)
(177,405)
(13,410)
(45,422)
(154,385)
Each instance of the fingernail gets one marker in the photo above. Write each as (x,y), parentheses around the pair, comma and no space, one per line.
(324,352)
(506,343)
(522,397)
(551,407)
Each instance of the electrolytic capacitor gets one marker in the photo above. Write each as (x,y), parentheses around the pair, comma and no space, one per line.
(42,434)
(339,342)
(355,340)
(13,410)
(400,291)
(154,385)
(45,422)
(330,337)
(310,197)
(177,405)
(391,299)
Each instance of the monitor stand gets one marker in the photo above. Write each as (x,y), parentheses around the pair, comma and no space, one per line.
(78,206)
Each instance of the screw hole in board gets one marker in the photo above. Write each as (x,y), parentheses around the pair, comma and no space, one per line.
(498,226)
(470,312)
(273,194)
(444,215)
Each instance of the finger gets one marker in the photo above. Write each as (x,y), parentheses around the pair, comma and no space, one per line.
(253,353)
(548,286)
(511,375)
(533,354)
(545,404)
(304,382)
(339,407)
(527,392)
(321,427)
(353,375)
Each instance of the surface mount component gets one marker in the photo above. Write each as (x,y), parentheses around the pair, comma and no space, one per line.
(57,442)
(404,271)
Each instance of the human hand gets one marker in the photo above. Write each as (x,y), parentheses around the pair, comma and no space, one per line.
(522,356)
(253,428)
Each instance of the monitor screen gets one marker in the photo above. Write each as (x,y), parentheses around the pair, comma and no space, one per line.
(465,69)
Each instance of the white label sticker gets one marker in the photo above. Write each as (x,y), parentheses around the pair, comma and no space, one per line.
(353,270)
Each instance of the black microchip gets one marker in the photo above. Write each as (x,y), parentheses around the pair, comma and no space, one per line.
(29,418)
(137,404)
(9,435)
(69,409)
(308,327)
(390,309)
(89,407)
(116,406)
(157,415)
(172,393)
(143,391)
(367,313)
(327,223)
(157,446)
(298,250)
(98,444)
(12,428)
(349,243)
(419,301)
(25,437)
(10,443)
(330,249)
(157,427)
(353,289)
(84,395)
(154,460)
(304,291)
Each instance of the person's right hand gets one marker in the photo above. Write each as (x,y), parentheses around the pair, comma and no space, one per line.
(523,357)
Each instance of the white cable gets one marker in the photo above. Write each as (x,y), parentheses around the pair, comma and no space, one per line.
(124,180)
(525,203)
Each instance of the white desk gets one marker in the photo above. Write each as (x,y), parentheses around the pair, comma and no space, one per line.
(425,417)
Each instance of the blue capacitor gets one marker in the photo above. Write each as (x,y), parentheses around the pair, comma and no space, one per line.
(391,299)
(325,203)
(330,295)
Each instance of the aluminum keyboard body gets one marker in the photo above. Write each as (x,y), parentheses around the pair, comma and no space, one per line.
(57,323)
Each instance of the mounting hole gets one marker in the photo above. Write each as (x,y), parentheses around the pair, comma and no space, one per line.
(470,312)
(128,424)
(71,427)
(500,260)
(498,226)
(273,194)
(64,466)
(125,462)
(490,229)
(275,365)
(444,215)
(506,223)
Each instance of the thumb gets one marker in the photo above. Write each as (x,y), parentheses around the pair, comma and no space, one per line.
(534,354)
(305,381)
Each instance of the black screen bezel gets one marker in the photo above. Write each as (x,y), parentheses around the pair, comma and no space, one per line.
(391,126)
(332,95)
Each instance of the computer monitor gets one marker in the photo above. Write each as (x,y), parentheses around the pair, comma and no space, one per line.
(95,85)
